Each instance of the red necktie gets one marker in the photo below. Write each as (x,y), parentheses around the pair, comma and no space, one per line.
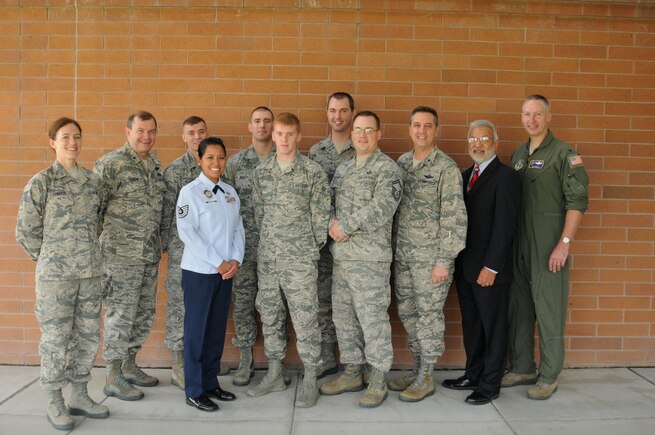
(474,178)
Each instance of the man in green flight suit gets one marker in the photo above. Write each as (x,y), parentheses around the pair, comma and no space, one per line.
(554,198)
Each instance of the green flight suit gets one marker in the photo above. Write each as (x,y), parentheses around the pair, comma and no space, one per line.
(554,181)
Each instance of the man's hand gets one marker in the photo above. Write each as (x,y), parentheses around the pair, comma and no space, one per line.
(439,274)
(558,257)
(336,233)
(486,278)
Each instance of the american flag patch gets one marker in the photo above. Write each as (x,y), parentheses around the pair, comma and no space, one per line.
(575,160)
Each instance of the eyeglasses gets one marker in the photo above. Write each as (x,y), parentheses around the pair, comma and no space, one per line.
(367,130)
(481,139)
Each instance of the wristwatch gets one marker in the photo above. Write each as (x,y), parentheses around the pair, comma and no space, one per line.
(566,240)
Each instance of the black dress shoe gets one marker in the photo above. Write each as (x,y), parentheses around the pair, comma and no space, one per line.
(220,394)
(478,398)
(461,383)
(202,403)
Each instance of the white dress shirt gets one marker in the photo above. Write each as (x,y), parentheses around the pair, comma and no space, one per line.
(209,225)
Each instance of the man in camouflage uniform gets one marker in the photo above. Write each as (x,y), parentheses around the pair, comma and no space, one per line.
(292,208)
(330,152)
(366,192)
(58,227)
(555,196)
(239,174)
(133,185)
(182,171)
(430,232)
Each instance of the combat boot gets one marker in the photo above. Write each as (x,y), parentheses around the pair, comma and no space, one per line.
(285,376)
(309,390)
(245,372)
(177,375)
(542,390)
(117,386)
(134,375)
(422,387)
(224,370)
(349,380)
(329,365)
(366,373)
(401,383)
(58,415)
(273,381)
(81,404)
(376,392)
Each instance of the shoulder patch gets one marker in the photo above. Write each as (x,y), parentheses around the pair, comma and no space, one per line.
(183,211)
(575,160)
(396,189)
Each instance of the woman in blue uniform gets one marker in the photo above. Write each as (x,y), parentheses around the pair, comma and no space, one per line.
(209,224)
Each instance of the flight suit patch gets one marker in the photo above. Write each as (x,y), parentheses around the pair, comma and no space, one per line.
(575,160)
(535,164)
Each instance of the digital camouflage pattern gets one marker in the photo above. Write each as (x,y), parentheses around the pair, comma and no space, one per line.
(297,281)
(430,230)
(239,173)
(133,208)
(325,154)
(57,226)
(431,219)
(131,247)
(292,209)
(179,173)
(365,199)
(68,313)
(361,297)
(129,308)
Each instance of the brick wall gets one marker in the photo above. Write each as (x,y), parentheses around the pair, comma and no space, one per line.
(99,61)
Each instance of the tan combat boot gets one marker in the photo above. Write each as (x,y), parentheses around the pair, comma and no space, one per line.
(245,372)
(329,365)
(177,375)
(117,386)
(401,383)
(349,380)
(542,390)
(512,379)
(273,381)
(422,387)
(58,415)
(309,390)
(376,393)
(134,375)
(81,404)
(224,370)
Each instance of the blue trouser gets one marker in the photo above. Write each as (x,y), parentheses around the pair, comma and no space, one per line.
(206,306)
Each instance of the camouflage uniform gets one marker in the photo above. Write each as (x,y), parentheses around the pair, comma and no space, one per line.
(325,154)
(365,200)
(181,172)
(239,174)
(130,246)
(430,230)
(58,227)
(292,209)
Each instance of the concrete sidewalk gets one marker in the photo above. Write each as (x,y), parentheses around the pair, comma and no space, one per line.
(589,401)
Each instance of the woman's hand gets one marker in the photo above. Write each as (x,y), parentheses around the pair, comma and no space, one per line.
(233,269)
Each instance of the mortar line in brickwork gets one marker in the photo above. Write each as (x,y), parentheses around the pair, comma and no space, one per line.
(77,54)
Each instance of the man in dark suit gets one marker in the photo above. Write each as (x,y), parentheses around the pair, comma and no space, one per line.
(492,193)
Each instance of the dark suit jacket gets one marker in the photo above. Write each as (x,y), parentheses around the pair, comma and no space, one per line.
(492,206)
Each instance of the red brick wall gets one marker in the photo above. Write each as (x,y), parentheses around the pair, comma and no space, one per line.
(100,61)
